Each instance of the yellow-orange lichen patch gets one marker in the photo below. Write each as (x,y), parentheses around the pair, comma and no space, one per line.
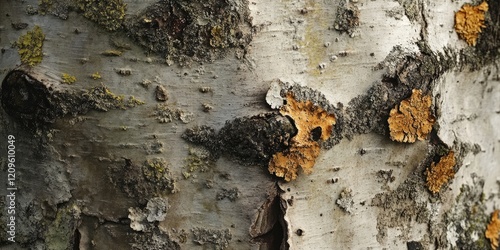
(313,123)
(440,173)
(469,21)
(411,119)
(493,230)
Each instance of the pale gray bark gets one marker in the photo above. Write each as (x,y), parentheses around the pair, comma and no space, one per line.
(365,190)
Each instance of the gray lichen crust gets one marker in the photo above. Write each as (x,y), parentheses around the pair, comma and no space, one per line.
(230,194)
(187,31)
(345,201)
(155,240)
(144,219)
(347,17)
(468,218)
(218,238)
(142,182)
(179,30)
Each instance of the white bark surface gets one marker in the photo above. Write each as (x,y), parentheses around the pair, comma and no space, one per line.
(301,48)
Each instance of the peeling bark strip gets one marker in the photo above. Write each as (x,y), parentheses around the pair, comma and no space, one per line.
(268,225)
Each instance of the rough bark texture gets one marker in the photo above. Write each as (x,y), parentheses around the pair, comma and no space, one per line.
(152,124)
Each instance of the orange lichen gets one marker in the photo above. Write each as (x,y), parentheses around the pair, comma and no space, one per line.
(440,173)
(469,20)
(411,119)
(313,123)
(493,230)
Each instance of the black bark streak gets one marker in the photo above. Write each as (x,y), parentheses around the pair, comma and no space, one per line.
(249,140)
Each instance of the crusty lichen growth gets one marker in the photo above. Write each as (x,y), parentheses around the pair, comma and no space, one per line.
(151,179)
(58,8)
(217,39)
(345,200)
(155,168)
(30,46)
(493,230)
(163,113)
(44,6)
(157,171)
(440,173)
(101,98)
(412,118)
(108,13)
(347,18)
(468,219)
(469,21)
(133,102)
(313,123)
(198,159)
(187,31)
(218,238)
(96,76)
(68,79)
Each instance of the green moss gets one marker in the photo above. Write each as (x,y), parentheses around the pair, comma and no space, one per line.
(30,46)
(68,79)
(108,13)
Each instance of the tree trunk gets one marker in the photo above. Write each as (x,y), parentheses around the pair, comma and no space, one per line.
(292,124)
